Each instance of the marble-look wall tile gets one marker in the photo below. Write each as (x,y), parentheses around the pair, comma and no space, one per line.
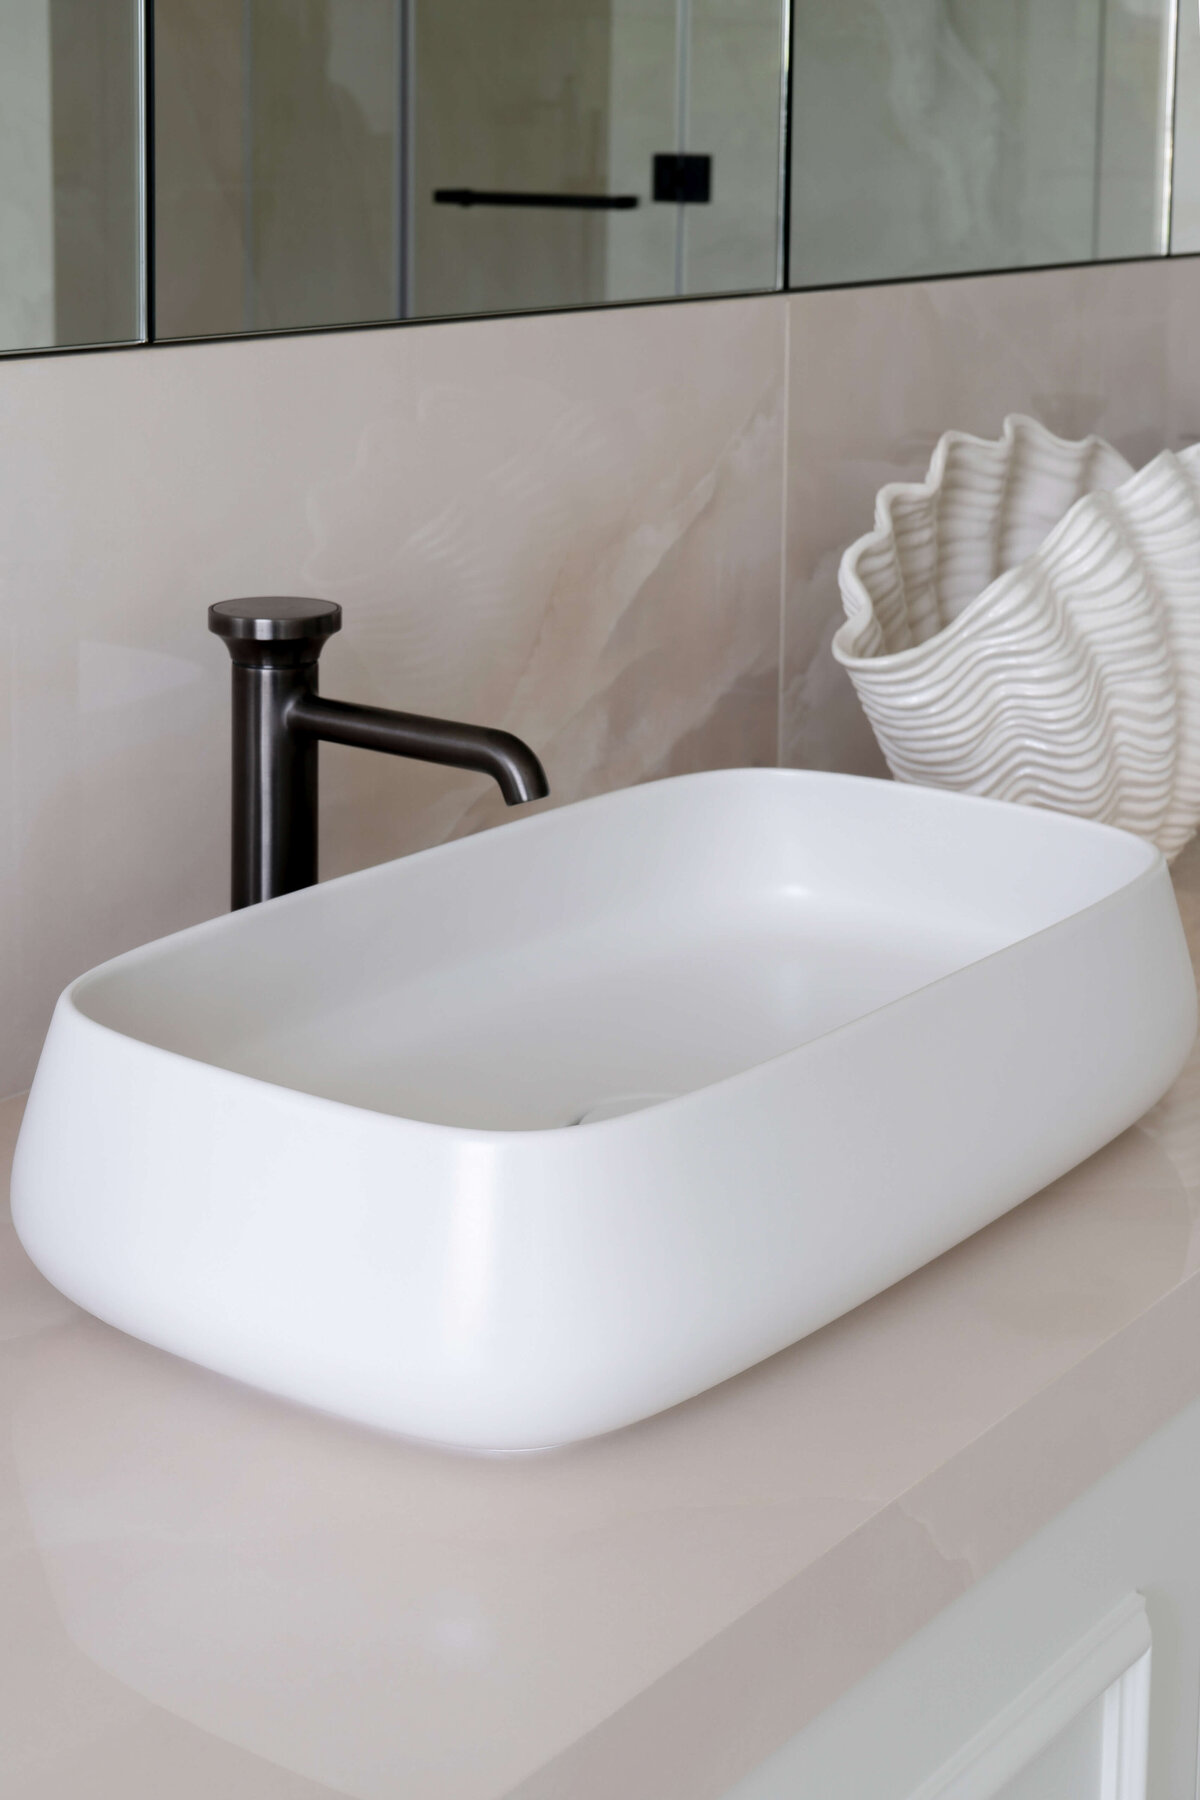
(569,526)
(1183,352)
(877,374)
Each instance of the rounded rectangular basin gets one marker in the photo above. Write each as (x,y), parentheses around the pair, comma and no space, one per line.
(532,1135)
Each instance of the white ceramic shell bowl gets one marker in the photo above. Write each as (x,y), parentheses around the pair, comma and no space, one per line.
(1025,624)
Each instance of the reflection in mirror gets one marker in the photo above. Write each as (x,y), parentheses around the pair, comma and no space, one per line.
(325,161)
(1185,211)
(931,136)
(597,99)
(69,172)
(276,132)
(334,162)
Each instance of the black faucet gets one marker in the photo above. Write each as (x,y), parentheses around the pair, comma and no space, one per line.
(278,720)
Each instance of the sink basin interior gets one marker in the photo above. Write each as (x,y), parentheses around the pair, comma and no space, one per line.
(571,1026)
(576,967)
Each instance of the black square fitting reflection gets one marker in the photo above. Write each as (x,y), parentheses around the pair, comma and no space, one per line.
(686,179)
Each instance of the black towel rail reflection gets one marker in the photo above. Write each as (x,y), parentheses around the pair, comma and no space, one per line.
(572,202)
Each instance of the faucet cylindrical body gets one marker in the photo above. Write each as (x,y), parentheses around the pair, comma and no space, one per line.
(274,836)
(279,720)
(274,644)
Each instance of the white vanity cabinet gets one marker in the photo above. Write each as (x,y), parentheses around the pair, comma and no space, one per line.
(1070,1672)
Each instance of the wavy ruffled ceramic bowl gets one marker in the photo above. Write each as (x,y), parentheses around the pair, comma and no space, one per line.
(1025,624)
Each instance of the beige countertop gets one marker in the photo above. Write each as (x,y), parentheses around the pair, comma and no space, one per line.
(204,1591)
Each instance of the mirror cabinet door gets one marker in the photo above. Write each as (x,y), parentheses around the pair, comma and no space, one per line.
(177,169)
(938,136)
(325,161)
(69,173)
(277,132)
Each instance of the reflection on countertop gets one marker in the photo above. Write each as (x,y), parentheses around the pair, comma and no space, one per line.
(205,1591)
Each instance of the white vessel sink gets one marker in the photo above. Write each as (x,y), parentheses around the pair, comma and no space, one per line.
(533,1135)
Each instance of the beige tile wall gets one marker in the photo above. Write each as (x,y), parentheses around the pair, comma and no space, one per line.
(569,525)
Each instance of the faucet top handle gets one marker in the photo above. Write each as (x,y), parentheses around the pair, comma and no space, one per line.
(274,619)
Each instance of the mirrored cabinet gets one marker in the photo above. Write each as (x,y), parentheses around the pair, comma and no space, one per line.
(174,169)
(72,181)
(939,136)
(325,161)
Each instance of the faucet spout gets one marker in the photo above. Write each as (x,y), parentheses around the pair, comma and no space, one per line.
(511,763)
(279,718)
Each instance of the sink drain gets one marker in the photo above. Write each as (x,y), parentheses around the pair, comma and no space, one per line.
(618,1104)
